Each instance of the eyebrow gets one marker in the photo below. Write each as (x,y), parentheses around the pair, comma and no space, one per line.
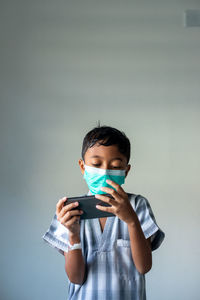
(98,156)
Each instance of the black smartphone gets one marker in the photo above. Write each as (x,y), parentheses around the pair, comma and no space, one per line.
(88,205)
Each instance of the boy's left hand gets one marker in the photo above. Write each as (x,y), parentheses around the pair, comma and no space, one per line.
(120,205)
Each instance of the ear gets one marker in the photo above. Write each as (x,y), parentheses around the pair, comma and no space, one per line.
(81,165)
(127,170)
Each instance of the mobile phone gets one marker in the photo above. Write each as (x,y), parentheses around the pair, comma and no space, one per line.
(88,205)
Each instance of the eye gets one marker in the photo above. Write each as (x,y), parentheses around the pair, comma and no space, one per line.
(96,165)
(116,167)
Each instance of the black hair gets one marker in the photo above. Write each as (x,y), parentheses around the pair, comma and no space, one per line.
(107,136)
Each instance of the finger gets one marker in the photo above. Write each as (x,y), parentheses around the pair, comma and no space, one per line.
(106,199)
(59,205)
(72,221)
(105,208)
(70,214)
(116,186)
(112,192)
(68,207)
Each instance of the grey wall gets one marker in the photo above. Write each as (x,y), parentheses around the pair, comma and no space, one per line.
(64,65)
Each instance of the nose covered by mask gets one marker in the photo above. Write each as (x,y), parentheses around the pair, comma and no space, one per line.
(96,178)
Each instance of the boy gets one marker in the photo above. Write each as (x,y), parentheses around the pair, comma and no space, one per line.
(106,258)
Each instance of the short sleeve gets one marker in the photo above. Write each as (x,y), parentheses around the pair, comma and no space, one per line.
(57,236)
(148,222)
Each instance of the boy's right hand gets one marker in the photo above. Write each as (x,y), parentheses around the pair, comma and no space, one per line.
(68,217)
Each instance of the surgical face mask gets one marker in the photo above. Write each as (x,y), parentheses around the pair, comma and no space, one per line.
(96,178)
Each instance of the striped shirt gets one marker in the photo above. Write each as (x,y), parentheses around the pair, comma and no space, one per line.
(111,273)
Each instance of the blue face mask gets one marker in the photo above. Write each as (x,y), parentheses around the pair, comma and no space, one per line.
(96,178)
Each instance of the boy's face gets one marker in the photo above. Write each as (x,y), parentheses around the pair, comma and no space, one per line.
(104,157)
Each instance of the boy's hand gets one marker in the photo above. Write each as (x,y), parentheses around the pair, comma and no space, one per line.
(68,217)
(120,205)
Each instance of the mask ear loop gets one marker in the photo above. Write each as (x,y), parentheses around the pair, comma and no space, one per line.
(84,165)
